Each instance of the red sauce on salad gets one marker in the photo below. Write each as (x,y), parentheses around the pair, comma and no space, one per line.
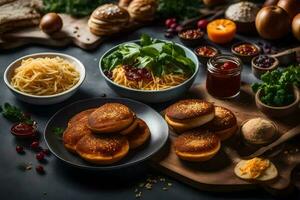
(137,74)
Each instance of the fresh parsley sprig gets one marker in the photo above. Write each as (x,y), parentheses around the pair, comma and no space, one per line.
(15,114)
(58,131)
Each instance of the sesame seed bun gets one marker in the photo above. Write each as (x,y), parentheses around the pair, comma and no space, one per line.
(197,145)
(110,118)
(224,123)
(189,114)
(102,149)
(139,136)
(77,128)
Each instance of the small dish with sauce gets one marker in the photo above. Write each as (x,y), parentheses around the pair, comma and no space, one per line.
(24,130)
(263,63)
(191,37)
(245,51)
(205,52)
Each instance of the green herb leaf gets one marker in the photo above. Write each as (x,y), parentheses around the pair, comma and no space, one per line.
(58,131)
(146,40)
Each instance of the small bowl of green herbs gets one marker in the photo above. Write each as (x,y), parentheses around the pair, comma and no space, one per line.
(278,94)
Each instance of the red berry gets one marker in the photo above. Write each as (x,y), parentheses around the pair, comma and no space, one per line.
(46,151)
(40,169)
(173,26)
(40,156)
(34,144)
(19,149)
(179,28)
(202,24)
(229,66)
(169,22)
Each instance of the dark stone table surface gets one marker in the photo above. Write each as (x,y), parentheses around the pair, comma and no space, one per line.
(64,182)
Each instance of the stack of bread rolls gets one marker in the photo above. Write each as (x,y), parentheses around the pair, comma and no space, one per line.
(111,18)
(108,19)
(106,134)
(202,126)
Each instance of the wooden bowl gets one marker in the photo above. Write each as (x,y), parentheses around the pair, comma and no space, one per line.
(258,145)
(245,58)
(258,71)
(203,59)
(281,111)
(190,42)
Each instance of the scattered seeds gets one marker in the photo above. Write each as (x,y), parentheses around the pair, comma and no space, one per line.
(25,166)
(148,186)
(138,195)
(150,183)
(141,185)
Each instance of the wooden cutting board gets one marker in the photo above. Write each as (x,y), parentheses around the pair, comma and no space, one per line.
(75,31)
(217,174)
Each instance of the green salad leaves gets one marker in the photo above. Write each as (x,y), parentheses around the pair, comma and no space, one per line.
(159,56)
(276,86)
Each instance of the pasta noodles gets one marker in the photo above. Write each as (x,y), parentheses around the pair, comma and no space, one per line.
(45,76)
(156,83)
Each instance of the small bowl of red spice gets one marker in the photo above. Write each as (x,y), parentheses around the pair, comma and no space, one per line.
(245,51)
(262,64)
(191,37)
(205,52)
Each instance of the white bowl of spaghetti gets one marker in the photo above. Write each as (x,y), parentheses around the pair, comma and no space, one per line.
(131,69)
(44,78)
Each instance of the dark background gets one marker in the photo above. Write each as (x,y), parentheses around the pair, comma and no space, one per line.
(64,182)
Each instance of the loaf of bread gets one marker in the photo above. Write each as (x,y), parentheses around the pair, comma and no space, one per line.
(19,13)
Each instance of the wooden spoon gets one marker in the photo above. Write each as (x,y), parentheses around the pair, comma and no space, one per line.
(288,56)
(285,137)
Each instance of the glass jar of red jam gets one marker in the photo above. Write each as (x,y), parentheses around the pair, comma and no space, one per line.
(224,76)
